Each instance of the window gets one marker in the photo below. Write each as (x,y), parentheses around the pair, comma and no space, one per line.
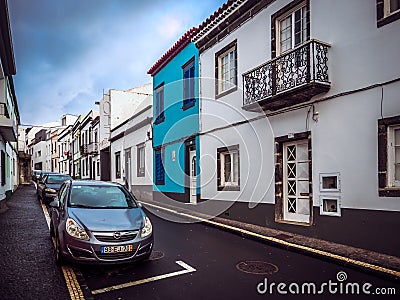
(394,156)
(118,165)
(389,156)
(141,160)
(226,70)
(329,182)
(159,165)
(387,11)
(390,7)
(160,104)
(330,205)
(188,85)
(228,168)
(292,29)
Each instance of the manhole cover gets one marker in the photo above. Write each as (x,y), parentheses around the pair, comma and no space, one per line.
(257,267)
(156,255)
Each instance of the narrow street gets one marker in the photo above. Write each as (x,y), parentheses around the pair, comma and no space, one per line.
(218,258)
(190,261)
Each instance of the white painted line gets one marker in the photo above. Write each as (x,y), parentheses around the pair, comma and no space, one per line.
(72,283)
(187,269)
(46,215)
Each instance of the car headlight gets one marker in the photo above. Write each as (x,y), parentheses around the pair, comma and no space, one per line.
(49,190)
(74,230)
(147,229)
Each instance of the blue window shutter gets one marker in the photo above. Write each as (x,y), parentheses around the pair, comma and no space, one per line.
(160,172)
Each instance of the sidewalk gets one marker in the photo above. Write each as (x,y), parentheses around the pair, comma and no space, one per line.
(382,264)
(27,263)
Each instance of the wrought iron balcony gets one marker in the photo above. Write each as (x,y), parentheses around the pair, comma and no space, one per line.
(93,148)
(294,77)
(83,150)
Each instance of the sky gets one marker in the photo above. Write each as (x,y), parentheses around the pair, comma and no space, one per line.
(67,52)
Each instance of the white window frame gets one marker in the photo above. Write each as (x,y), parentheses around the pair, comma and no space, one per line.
(386,9)
(227,84)
(222,168)
(278,28)
(321,177)
(391,182)
(141,171)
(324,212)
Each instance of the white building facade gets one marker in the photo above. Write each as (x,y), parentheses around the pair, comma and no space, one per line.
(132,152)
(300,117)
(115,108)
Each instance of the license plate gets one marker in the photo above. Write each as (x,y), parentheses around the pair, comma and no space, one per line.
(116,249)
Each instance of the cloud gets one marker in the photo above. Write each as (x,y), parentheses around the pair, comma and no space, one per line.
(169,27)
(67,52)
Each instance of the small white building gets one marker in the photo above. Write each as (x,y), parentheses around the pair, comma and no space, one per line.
(64,151)
(116,107)
(132,153)
(300,117)
(87,146)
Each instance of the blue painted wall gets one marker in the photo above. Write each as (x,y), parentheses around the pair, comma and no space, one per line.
(178,124)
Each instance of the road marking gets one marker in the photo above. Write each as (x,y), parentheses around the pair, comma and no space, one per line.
(72,283)
(186,267)
(284,243)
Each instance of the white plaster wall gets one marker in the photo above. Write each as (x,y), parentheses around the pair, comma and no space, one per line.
(345,137)
(123,103)
(131,140)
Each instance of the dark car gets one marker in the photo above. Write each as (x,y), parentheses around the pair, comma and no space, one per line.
(99,222)
(48,187)
(40,176)
(35,175)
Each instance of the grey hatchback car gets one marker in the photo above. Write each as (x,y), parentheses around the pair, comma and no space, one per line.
(99,222)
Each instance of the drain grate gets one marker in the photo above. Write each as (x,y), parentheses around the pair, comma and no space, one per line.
(257,267)
(156,255)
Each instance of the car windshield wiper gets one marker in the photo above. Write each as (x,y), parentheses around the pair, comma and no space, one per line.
(80,206)
(112,206)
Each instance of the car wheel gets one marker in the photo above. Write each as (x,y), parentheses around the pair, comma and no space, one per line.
(59,258)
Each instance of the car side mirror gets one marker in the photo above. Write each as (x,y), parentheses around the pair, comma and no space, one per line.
(55,203)
(140,205)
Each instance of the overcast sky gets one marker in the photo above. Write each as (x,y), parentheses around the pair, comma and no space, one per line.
(68,51)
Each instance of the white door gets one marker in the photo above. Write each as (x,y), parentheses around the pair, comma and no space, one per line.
(193,176)
(296,201)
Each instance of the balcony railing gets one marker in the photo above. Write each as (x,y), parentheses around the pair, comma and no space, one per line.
(93,148)
(83,150)
(289,79)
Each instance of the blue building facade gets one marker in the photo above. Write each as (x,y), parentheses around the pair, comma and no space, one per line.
(176,122)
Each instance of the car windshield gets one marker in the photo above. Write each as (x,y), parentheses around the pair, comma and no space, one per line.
(90,196)
(57,178)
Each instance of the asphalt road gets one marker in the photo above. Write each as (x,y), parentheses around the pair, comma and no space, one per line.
(227,266)
(190,261)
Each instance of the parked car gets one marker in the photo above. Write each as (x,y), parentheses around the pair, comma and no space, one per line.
(48,187)
(99,222)
(41,175)
(35,174)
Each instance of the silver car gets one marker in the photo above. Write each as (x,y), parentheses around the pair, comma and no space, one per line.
(99,222)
